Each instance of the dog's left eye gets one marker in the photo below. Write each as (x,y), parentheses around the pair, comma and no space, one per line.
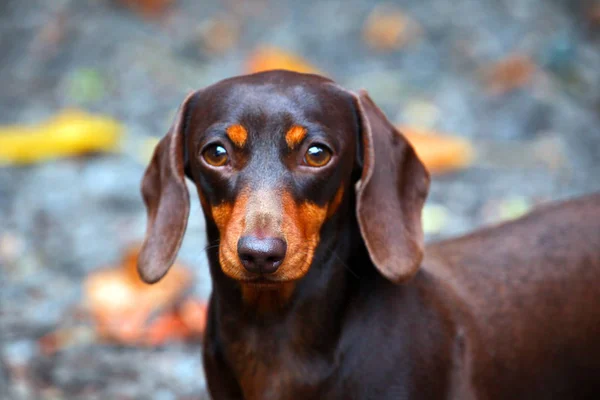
(215,155)
(317,155)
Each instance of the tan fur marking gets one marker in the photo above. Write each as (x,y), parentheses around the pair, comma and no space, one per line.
(238,135)
(301,226)
(221,215)
(230,222)
(335,203)
(294,136)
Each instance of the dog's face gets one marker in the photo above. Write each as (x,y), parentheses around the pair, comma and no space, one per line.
(273,156)
(272,159)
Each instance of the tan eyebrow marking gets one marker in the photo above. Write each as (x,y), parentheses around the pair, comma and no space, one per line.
(295,135)
(237,134)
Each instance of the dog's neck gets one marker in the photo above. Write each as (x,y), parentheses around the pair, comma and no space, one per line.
(272,353)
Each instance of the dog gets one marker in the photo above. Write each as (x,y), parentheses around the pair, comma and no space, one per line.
(322,285)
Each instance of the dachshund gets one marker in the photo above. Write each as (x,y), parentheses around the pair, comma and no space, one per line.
(323,287)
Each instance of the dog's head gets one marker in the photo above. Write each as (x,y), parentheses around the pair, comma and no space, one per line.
(273,156)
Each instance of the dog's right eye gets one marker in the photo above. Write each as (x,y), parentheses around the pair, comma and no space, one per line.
(215,155)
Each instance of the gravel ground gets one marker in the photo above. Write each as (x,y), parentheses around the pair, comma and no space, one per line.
(60,220)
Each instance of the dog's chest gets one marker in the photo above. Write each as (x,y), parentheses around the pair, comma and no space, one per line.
(270,368)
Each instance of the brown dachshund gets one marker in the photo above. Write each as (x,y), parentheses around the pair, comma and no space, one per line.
(322,285)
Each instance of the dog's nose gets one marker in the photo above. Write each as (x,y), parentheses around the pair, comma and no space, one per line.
(261,256)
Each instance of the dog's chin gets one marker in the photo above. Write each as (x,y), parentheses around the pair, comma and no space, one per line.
(263,284)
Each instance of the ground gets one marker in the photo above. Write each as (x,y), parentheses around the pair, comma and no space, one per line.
(60,220)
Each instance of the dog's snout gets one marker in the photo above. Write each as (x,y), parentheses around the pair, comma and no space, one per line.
(261,255)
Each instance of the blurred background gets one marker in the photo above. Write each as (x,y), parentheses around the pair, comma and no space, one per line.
(500,97)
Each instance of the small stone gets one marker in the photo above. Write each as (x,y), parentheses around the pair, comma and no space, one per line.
(12,247)
(435,218)
(513,207)
(421,113)
(86,85)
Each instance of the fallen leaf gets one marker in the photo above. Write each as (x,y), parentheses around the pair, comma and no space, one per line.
(388,28)
(69,133)
(121,303)
(440,153)
(186,320)
(594,15)
(165,328)
(508,74)
(64,338)
(269,58)
(193,313)
(220,34)
(148,8)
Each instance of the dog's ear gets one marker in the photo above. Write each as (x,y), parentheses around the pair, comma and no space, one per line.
(167,201)
(390,194)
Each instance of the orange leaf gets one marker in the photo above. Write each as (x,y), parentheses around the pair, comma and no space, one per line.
(121,303)
(220,34)
(193,314)
(508,74)
(439,153)
(388,28)
(148,8)
(268,58)
(165,328)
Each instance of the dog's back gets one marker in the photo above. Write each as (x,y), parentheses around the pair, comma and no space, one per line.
(529,302)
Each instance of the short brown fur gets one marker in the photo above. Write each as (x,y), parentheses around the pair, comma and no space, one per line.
(360,308)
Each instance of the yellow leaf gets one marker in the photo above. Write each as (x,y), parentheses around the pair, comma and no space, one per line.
(69,133)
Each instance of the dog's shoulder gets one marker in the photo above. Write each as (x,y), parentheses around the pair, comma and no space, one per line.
(523,288)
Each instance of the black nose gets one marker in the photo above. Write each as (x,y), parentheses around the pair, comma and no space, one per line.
(261,256)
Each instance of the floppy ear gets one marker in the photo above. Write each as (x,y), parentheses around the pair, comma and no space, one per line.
(390,195)
(167,202)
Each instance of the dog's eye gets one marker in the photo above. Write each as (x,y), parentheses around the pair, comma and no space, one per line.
(215,155)
(317,155)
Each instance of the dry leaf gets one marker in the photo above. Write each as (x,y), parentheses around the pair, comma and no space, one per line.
(193,313)
(220,34)
(594,15)
(440,153)
(269,58)
(187,320)
(121,303)
(69,133)
(165,328)
(511,73)
(148,8)
(66,337)
(388,28)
